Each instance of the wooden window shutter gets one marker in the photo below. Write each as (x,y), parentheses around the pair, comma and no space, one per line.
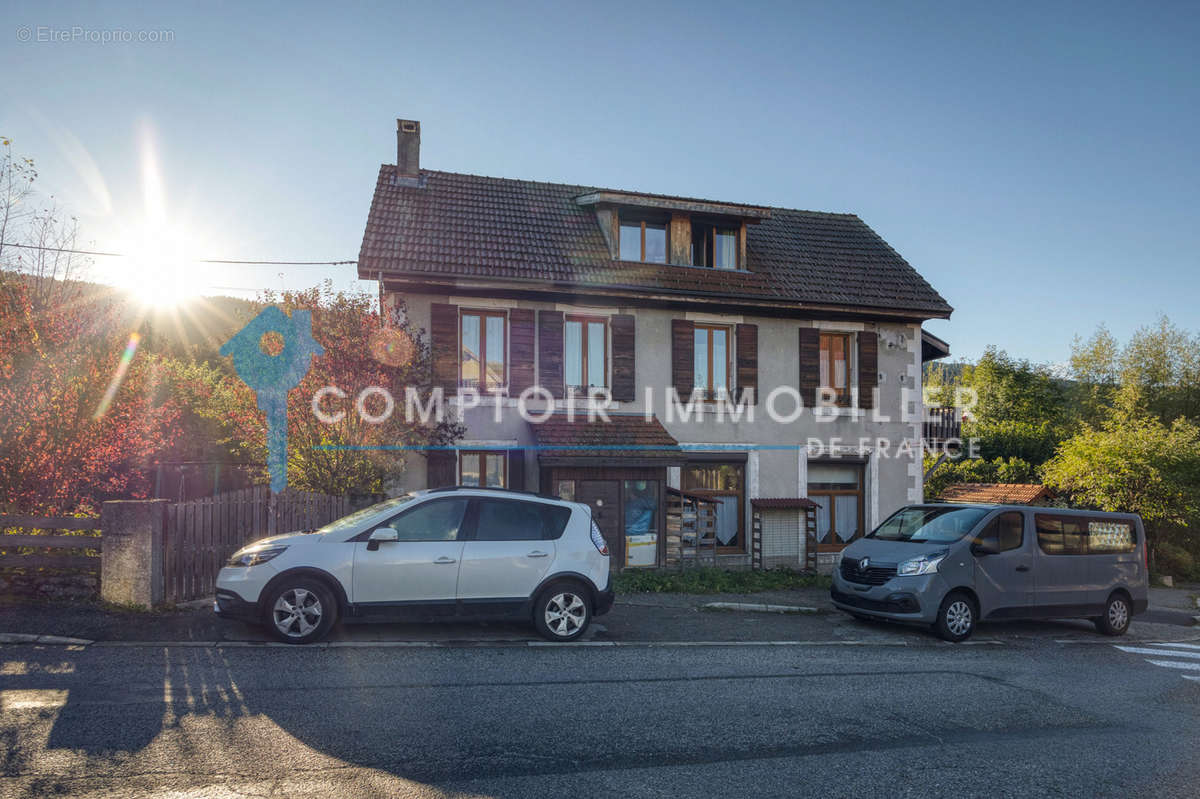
(520,350)
(747,360)
(810,364)
(868,368)
(683,353)
(516,469)
(550,352)
(623,358)
(441,468)
(443,336)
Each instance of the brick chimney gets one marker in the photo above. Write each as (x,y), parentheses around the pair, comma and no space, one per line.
(408,148)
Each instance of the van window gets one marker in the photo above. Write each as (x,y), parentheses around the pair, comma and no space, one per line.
(1110,537)
(1061,535)
(1006,531)
(937,525)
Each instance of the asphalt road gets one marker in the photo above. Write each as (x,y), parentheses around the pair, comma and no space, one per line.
(1022,718)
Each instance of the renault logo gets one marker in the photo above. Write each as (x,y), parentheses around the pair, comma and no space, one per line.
(863,564)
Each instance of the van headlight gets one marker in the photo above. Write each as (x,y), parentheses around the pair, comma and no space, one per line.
(253,557)
(926,564)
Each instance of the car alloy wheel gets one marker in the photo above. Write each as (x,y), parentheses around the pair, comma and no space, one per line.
(959,617)
(297,612)
(565,613)
(1118,614)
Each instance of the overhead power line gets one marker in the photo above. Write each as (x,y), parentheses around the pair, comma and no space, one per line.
(197,260)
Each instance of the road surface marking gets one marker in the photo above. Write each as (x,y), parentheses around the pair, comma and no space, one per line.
(1139,650)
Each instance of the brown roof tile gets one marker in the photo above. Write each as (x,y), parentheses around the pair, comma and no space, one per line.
(622,435)
(996,493)
(467,226)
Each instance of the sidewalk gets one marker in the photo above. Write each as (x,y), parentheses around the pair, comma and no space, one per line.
(635,618)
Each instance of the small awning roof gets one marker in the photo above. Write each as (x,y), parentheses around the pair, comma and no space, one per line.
(782,503)
(932,347)
(622,440)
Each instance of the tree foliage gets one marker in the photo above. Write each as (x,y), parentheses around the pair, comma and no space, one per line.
(63,449)
(1138,464)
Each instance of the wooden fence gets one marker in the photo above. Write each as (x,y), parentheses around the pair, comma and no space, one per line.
(37,559)
(201,535)
(38,550)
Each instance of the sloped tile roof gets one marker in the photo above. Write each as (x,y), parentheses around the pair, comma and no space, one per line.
(622,435)
(996,493)
(456,226)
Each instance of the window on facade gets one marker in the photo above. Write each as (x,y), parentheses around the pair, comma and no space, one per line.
(837,489)
(714,246)
(711,359)
(725,484)
(483,354)
(643,241)
(835,365)
(482,468)
(585,351)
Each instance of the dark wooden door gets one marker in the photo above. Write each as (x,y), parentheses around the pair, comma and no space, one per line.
(604,498)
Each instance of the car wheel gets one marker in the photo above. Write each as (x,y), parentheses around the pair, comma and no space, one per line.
(956,617)
(1115,620)
(562,612)
(300,610)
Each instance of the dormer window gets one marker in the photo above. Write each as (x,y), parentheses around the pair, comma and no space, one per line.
(643,240)
(714,246)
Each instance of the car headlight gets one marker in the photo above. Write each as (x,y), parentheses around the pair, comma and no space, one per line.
(253,557)
(926,564)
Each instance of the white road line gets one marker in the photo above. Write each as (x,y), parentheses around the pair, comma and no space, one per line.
(1171,664)
(1180,646)
(1139,650)
(1190,677)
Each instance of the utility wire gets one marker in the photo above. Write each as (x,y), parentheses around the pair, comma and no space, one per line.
(198,260)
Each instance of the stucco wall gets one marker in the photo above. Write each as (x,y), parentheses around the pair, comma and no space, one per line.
(777,467)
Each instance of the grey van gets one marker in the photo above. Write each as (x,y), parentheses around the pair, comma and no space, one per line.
(949,566)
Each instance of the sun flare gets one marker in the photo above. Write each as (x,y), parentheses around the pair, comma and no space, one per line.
(162,267)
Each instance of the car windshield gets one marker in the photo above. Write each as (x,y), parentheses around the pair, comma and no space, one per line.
(353,521)
(921,525)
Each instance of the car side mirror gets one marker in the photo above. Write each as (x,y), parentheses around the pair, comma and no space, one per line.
(985,546)
(382,535)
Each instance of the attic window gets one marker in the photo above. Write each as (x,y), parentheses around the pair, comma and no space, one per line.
(643,240)
(714,246)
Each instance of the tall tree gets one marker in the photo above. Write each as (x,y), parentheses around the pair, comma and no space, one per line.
(1135,463)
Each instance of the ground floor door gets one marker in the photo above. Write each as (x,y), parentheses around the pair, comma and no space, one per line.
(627,505)
(604,498)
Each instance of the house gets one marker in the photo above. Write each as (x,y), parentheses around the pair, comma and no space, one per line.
(998,493)
(541,299)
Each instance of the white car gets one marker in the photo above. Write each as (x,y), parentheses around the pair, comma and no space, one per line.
(474,552)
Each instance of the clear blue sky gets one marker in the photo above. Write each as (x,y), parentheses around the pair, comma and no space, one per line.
(1037,163)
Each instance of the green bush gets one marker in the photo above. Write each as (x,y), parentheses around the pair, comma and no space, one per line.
(707,580)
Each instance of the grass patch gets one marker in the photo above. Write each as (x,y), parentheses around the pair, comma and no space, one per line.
(707,580)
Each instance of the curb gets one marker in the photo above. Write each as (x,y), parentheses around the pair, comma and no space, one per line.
(27,638)
(756,607)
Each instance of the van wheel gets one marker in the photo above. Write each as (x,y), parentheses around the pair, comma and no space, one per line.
(956,617)
(1115,620)
(562,612)
(300,610)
